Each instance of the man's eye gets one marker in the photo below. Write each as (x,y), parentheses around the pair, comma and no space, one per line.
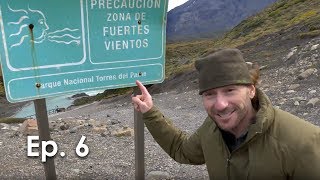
(231,90)
(208,94)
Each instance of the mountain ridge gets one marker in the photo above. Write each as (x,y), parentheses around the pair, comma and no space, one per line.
(198,19)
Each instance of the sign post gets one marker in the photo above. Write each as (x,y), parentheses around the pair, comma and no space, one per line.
(139,142)
(44,135)
(98,44)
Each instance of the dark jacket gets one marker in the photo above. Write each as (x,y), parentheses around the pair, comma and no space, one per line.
(279,145)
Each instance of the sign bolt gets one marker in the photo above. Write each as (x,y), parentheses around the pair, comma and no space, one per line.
(38,85)
(31,26)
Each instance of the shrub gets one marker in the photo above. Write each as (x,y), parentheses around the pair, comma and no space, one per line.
(304,16)
(310,34)
(12,120)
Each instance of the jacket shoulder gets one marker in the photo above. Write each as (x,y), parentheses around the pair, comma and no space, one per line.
(294,132)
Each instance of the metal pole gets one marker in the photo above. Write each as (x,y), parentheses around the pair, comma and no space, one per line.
(44,135)
(138,142)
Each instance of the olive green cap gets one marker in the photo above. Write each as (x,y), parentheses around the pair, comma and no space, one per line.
(222,68)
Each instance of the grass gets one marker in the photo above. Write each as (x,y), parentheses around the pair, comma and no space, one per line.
(106,94)
(12,120)
(310,34)
(282,15)
(2,92)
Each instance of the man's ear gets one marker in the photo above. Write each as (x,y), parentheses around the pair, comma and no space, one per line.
(252,91)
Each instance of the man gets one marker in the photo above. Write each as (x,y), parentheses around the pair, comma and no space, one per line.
(244,136)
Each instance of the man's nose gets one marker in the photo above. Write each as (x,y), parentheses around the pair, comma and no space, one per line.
(221,103)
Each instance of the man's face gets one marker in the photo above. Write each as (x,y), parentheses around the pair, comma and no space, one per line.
(228,106)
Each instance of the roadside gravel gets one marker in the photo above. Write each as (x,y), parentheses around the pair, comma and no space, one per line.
(110,157)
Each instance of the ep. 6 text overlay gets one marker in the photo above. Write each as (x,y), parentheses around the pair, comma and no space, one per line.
(82,150)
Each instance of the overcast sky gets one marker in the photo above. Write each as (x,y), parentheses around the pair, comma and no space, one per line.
(174,3)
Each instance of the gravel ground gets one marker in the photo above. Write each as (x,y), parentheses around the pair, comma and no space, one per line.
(110,157)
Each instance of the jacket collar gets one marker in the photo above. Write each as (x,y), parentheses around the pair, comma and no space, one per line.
(264,116)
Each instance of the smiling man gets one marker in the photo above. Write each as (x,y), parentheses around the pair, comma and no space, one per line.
(244,136)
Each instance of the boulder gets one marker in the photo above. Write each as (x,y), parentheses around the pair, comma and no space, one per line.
(313,102)
(29,127)
(306,73)
(60,110)
(294,86)
(158,175)
(126,131)
(314,47)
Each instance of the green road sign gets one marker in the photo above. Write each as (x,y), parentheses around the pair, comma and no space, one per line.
(55,47)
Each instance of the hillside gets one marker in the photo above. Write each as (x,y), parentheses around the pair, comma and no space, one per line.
(209,18)
(293,21)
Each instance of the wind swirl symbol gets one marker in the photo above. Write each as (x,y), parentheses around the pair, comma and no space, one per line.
(64,36)
(39,20)
(21,24)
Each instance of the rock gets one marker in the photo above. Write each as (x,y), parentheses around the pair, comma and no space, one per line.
(290,91)
(76,170)
(60,110)
(100,130)
(299,99)
(80,122)
(296,103)
(14,128)
(306,73)
(64,127)
(313,91)
(123,132)
(114,121)
(249,64)
(74,129)
(314,47)
(262,67)
(294,86)
(291,53)
(16,134)
(4,126)
(92,122)
(52,124)
(29,127)
(104,134)
(313,102)
(157,175)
